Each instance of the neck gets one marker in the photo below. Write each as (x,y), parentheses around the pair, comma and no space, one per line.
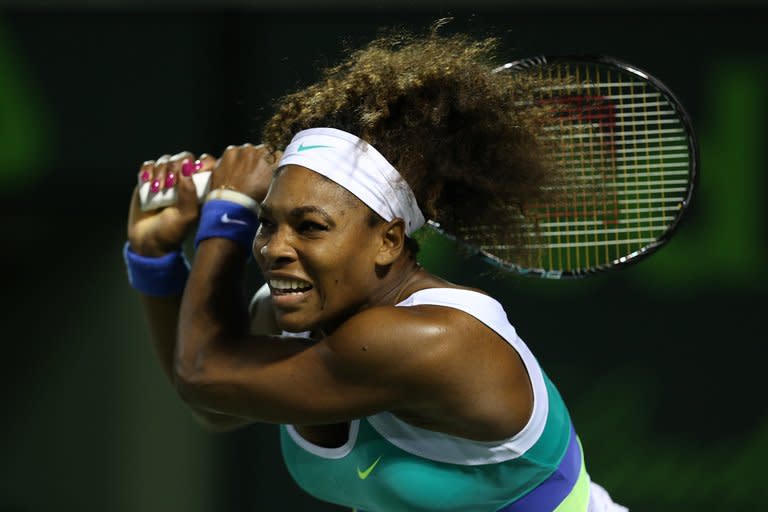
(392,291)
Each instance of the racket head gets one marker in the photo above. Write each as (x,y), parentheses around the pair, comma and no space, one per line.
(628,162)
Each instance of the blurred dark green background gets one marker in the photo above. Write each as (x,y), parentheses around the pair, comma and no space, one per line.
(661,364)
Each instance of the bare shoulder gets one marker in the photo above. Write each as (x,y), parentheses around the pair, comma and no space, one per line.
(460,376)
(392,327)
(261,313)
(419,344)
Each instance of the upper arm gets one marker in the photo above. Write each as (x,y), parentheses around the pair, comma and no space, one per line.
(381,359)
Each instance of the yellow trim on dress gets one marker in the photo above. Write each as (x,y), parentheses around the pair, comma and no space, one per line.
(578,499)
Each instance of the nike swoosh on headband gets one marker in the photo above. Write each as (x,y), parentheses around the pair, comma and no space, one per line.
(302,147)
(357,166)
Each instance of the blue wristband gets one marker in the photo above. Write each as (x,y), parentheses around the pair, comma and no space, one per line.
(220,218)
(161,276)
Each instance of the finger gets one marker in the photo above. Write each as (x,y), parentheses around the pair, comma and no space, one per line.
(135,206)
(206,162)
(135,213)
(178,157)
(222,169)
(259,156)
(146,176)
(190,166)
(229,155)
(146,171)
(158,180)
(273,158)
(186,196)
(174,168)
(254,151)
(187,199)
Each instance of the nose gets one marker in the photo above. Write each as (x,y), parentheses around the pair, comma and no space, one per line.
(274,250)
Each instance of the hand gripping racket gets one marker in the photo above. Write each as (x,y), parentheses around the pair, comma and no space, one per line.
(167,197)
(628,162)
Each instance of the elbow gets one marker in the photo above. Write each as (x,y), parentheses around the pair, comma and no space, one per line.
(195,386)
(193,371)
(198,383)
(190,380)
(219,423)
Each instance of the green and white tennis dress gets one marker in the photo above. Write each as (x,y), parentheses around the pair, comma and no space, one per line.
(388,465)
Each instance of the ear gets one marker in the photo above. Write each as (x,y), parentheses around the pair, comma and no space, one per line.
(392,236)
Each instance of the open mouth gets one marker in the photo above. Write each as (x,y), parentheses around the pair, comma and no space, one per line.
(288,286)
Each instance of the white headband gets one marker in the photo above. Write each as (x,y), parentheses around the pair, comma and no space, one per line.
(355,165)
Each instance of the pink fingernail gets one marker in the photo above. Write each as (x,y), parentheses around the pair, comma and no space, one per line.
(170,180)
(145,176)
(155,187)
(187,167)
(198,165)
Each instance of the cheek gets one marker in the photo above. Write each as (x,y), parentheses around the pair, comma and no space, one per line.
(346,266)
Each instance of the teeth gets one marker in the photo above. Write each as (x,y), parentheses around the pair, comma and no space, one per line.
(288,284)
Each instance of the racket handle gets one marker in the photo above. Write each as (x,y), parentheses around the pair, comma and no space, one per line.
(167,197)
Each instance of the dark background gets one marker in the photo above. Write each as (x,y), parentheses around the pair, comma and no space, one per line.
(661,364)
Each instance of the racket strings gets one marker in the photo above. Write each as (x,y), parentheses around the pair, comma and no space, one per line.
(624,172)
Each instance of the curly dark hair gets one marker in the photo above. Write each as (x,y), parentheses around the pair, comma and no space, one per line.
(466,139)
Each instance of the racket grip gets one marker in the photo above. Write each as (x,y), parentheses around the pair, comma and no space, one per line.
(167,197)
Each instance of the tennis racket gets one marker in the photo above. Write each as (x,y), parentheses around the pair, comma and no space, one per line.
(628,161)
(153,200)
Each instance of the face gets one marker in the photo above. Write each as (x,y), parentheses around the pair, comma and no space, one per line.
(316,249)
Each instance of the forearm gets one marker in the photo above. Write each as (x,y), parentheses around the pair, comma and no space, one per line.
(213,312)
(159,276)
(219,365)
(162,316)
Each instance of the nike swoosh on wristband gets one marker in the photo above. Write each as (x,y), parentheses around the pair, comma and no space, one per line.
(364,474)
(226,219)
(302,147)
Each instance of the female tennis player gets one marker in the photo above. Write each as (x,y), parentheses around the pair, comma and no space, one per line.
(414,393)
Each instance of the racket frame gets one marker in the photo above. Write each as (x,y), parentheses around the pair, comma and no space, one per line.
(636,255)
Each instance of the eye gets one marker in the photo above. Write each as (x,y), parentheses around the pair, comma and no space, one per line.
(265,225)
(308,226)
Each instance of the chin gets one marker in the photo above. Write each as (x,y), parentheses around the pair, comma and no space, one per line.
(294,325)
